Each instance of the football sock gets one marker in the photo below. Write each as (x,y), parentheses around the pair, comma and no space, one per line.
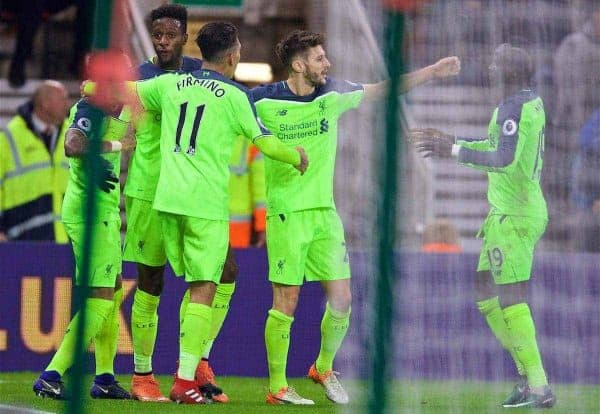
(490,309)
(522,333)
(183,307)
(334,326)
(277,340)
(220,308)
(195,332)
(105,340)
(144,325)
(97,312)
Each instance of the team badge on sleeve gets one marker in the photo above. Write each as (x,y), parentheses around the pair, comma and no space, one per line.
(509,127)
(85,124)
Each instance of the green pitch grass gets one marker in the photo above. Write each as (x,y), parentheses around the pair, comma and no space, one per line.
(247,396)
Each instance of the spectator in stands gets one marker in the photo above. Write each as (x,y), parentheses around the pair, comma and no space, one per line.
(576,84)
(29,17)
(585,190)
(576,65)
(247,208)
(33,168)
(441,236)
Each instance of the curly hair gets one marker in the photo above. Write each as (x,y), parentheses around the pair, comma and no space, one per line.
(172,11)
(298,41)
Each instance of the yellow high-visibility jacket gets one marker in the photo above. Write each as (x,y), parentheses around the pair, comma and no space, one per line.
(32,183)
(247,198)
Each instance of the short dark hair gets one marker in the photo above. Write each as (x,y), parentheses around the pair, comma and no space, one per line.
(515,63)
(299,41)
(214,38)
(171,11)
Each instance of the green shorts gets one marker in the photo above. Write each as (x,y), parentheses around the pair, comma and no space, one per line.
(144,242)
(508,245)
(195,247)
(307,244)
(105,260)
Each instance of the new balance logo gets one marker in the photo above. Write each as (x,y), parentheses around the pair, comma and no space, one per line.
(324,126)
(282,112)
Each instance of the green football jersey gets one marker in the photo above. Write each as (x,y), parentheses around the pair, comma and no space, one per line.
(144,165)
(201,115)
(107,204)
(513,155)
(311,122)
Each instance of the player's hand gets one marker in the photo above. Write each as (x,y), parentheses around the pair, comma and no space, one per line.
(430,146)
(303,161)
(448,66)
(106,178)
(82,88)
(3,237)
(417,134)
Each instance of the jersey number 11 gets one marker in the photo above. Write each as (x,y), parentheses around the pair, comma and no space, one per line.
(197,118)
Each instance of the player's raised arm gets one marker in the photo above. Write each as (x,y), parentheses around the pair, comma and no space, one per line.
(443,68)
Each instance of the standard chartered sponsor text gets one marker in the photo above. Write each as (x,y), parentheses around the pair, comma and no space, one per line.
(297,131)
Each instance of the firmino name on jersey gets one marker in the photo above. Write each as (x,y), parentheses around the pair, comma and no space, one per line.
(209,84)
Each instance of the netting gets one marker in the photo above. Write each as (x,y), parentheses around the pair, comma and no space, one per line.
(439,333)
(442,355)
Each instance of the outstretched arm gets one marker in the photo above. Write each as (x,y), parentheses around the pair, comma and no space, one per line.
(273,148)
(475,153)
(443,68)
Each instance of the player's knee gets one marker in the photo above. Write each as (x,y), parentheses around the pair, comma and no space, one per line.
(513,293)
(230,272)
(102,293)
(285,299)
(118,282)
(484,287)
(341,301)
(151,280)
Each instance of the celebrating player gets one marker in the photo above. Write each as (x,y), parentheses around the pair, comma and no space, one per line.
(305,236)
(144,242)
(201,114)
(102,308)
(512,154)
